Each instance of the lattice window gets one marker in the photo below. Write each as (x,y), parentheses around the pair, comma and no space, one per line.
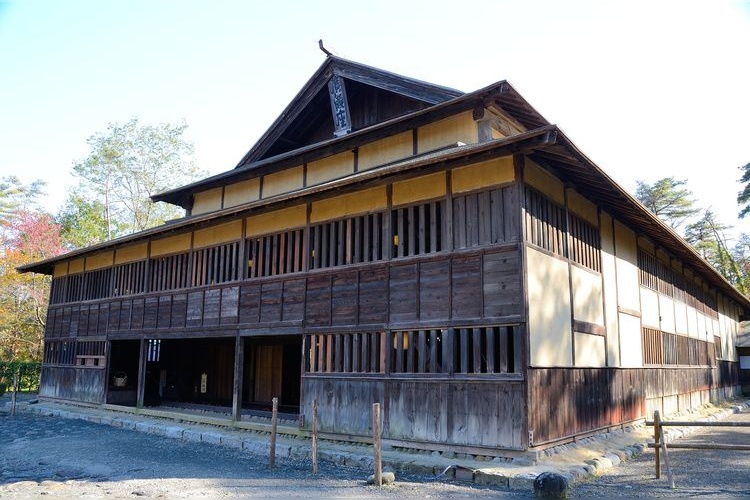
(129,278)
(653,350)
(544,223)
(585,244)
(169,272)
(358,352)
(417,229)
(348,241)
(216,264)
(97,284)
(274,254)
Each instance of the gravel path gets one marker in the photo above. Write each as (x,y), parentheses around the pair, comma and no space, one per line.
(697,473)
(70,458)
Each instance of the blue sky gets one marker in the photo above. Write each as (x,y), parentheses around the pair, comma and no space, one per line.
(647,89)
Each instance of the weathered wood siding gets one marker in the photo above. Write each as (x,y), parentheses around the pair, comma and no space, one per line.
(78,384)
(488,413)
(564,402)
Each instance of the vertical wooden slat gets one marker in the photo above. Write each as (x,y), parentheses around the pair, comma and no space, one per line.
(347,352)
(433,351)
(490,349)
(448,345)
(464,349)
(364,352)
(375,353)
(399,345)
(434,226)
(356,356)
(410,227)
(422,351)
(421,224)
(400,232)
(329,353)
(477,348)
(368,248)
(339,353)
(505,355)
(411,349)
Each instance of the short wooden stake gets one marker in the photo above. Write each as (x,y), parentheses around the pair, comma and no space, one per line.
(274,421)
(657,442)
(378,457)
(315,437)
(666,458)
(13,396)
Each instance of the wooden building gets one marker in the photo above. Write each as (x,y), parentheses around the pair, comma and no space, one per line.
(450,255)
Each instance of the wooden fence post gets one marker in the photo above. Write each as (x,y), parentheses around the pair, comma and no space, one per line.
(315,437)
(378,458)
(274,421)
(15,391)
(666,457)
(657,442)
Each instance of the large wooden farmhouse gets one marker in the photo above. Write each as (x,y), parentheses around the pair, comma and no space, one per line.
(450,255)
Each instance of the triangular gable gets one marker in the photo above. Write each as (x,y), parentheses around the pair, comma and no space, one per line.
(343,96)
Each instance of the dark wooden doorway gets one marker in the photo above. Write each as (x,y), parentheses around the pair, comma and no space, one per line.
(272,369)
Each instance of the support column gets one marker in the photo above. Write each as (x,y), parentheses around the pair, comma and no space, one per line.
(141,373)
(239,367)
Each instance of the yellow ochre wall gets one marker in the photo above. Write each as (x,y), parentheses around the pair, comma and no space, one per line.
(332,167)
(242,192)
(479,175)
(99,260)
(173,244)
(361,202)
(383,151)
(131,253)
(282,182)
(215,235)
(279,220)
(207,201)
(448,131)
(420,188)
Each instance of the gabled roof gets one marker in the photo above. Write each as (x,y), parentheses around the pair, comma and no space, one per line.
(500,94)
(309,118)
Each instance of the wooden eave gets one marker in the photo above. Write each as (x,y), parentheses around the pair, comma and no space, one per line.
(418,165)
(500,94)
(576,170)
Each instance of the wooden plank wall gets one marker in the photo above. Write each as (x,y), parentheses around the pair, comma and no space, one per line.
(486,413)
(79,384)
(564,402)
(475,284)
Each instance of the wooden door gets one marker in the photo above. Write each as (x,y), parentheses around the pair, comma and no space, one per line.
(268,371)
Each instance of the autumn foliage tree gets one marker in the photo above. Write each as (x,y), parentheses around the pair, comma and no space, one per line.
(25,237)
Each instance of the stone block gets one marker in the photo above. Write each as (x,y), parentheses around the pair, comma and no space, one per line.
(551,485)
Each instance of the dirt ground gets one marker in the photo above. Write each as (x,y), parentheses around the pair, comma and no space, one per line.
(58,457)
(72,458)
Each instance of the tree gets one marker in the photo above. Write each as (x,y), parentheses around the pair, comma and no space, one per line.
(82,222)
(668,200)
(743,198)
(126,165)
(26,237)
(707,235)
(15,195)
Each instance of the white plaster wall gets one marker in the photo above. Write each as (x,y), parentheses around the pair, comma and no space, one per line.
(550,335)
(587,296)
(680,317)
(630,341)
(628,293)
(649,308)
(590,350)
(667,313)
(610,289)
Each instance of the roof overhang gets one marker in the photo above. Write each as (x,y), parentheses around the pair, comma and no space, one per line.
(500,94)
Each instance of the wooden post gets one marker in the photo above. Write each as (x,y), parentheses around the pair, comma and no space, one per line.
(315,437)
(657,442)
(15,391)
(239,364)
(378,458)
(274,421)
(666,457)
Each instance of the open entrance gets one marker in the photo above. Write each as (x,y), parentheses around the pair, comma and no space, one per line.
(122,378)
(272,370)
(199,373)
